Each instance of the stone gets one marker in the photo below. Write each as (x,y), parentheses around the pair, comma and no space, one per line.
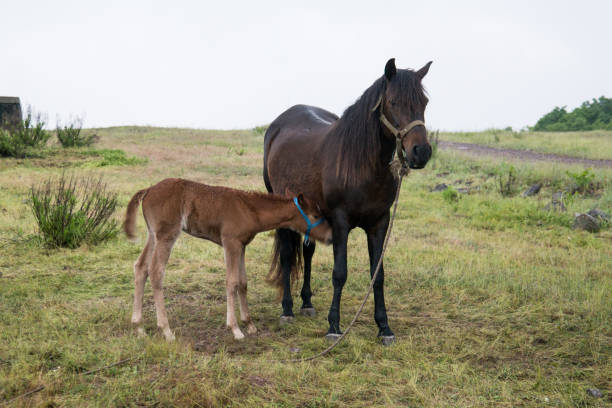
(463,190)
(594,392)
(598,214)
(586,222)
(533,190)
(556,203)
(439,187)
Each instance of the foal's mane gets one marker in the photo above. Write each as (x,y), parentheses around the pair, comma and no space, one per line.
(356,138)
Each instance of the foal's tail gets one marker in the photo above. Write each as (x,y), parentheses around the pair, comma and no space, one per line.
(129,225)
(275,275)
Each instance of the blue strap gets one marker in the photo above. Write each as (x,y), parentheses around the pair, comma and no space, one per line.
(308,223)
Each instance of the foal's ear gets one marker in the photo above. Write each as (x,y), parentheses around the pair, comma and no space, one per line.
(390,69)
(289,193)
(423,71)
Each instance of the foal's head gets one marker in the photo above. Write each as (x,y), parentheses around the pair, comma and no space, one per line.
(321,232)
(403,101)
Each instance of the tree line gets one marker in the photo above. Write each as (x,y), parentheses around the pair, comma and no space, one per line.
(591,115)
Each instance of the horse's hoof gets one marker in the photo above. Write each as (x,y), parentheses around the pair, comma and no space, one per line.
(308,311)
(285,320)
(387,340)
(332,337)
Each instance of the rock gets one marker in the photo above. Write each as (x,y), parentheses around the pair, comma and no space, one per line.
(573,189)
(586,222)
(598,214)
(294,349)
(463,190)
(556,203)
(440,187)
(533,190)
(594,392)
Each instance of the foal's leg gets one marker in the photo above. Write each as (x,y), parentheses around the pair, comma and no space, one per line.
(245,316)
(232,251)
(141,272)
(161,253)
(306,294)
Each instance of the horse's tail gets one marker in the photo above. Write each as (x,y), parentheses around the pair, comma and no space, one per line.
(129,225)
(275,275)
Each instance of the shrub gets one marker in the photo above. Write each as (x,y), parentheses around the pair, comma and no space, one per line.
(260,130)
(70,135)
(450,195)
(74,210)
(114,157)
(23,139)
(583,180)
(507,181)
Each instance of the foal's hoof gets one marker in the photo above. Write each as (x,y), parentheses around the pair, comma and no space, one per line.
(285,320)
(332,337)
(308,311)
(387,340)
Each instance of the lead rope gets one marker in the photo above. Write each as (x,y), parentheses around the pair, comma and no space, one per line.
(403,170)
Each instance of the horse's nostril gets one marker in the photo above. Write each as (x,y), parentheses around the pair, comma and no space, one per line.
(415,151)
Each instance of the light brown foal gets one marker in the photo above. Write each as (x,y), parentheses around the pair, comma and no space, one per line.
(230,218)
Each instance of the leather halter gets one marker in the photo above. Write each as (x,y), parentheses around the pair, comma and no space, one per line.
(398,133)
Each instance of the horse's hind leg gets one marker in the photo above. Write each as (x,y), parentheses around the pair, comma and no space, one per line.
(245,316)
(161,253)
(141,272)
(306,294)
(289,244)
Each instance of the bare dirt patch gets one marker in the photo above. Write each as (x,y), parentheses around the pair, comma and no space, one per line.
(525,155)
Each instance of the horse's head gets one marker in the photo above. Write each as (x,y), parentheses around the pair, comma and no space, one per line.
(402,112)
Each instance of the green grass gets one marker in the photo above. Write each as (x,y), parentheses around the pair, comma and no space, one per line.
(596,144)
(494,301)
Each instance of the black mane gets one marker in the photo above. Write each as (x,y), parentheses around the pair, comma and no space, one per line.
(357,136)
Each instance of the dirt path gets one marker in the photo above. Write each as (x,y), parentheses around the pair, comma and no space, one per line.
(528,155)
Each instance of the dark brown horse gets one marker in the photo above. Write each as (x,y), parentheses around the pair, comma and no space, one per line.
(343,164)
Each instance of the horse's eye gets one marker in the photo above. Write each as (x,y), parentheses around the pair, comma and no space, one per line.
(392,102)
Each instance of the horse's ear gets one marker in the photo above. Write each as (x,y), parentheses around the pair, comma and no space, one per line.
(390,69)
(423,71)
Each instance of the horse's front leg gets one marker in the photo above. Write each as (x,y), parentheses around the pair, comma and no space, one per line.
(376,237)
(340,228)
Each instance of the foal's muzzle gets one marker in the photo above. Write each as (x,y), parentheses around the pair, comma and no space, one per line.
(420,156)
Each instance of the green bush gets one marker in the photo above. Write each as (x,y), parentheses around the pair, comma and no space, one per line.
(507,181)
(23,140)
(74,210)
(70,135)
(583,180)
(114,157)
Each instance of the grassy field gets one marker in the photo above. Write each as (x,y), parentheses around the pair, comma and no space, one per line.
(494,301)
(596,144)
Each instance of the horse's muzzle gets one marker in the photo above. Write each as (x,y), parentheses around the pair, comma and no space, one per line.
(420,156)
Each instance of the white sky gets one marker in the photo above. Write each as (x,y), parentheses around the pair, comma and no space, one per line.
(237,64)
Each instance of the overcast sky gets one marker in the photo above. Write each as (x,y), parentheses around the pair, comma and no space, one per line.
(226,64)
